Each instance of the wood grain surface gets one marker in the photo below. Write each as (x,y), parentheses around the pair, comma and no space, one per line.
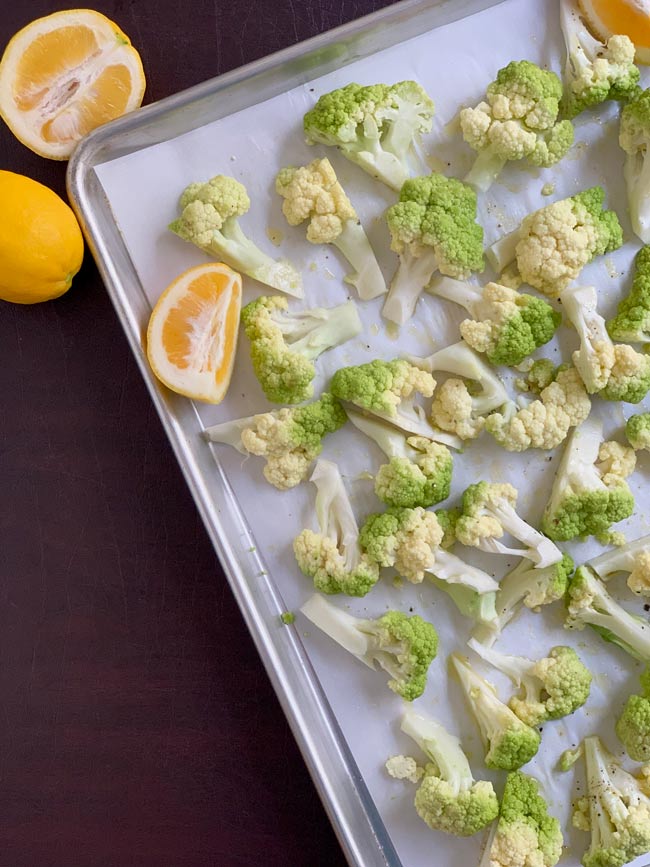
(137,726)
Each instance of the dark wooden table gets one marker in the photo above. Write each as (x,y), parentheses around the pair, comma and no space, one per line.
(137,726)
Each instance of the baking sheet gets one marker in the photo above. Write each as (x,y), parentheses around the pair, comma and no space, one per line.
(454,63)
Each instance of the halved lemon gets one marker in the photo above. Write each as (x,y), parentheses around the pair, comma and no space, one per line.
(192,334)
(628,17)
(63,75)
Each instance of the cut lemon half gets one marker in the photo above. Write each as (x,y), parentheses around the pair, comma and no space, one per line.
(63,75)
(628,17)
(192,334)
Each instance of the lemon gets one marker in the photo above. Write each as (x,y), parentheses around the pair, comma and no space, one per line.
(192,334)
(63,75)
(41,245)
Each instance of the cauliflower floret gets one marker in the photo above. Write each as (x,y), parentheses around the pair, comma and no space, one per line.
(404,768)
(525,835)
(289,438)
(639,578)
(544,423)
(553,244)
(313,193)
(449,799)
(452,410)
(506,325)
(518,120)
(615,462)
(630,377)
(403,538)
(210,219)
(555,247)
(637,431)
(374,126)
(332,557)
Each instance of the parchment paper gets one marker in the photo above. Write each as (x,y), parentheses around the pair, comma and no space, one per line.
(454,63)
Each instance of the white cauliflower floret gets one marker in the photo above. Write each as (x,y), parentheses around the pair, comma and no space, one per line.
(554,247)
(452,410)
(404,768)
(271,438)
(544,423)
(313,192)
(639,578)
(615,462)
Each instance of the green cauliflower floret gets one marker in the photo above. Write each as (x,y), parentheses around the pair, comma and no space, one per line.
(313,193)
(489,512)
(525,835)
(526,586)
(589,492)
(381,386)
(595,70)
(403,646)
(634,138)
(518,120)
(632,321)
(374,126)
(551,687)
(290,438)
(433,228)
(284,345)
(631,557)
(506,325)
(449,798)
(633,725)
(541,374)
(210,219)
(332,557)
(419,470)
(552,245)
(546,422)
(637,431)
(510,743)
(448,518)
(590,604)
(616,810)
(405,539)
(410,540)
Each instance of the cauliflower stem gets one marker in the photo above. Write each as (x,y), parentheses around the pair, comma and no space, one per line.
(449,798)
(616,810)
(525,586)
(590,604)
(633,558)
(403,646)
(510,742)
(332,557)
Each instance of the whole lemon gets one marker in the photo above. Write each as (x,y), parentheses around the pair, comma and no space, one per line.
(41,245)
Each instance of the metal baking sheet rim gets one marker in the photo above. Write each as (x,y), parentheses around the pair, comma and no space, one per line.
(347,801)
